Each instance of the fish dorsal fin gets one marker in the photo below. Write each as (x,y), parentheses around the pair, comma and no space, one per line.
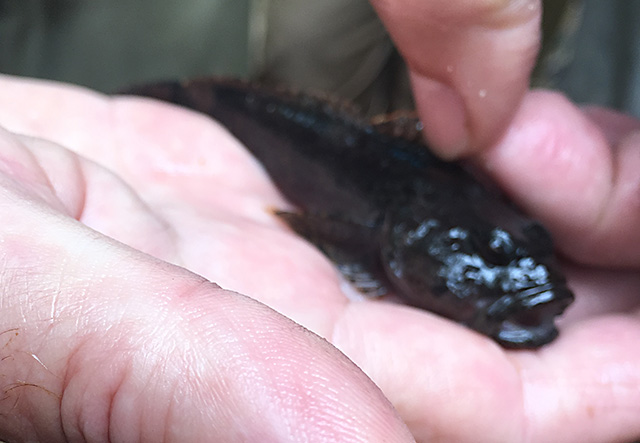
(399,124)
(310,100)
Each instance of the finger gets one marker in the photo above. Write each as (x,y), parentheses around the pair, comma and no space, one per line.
(585,388)
(451,384)
(446,381)
(559,165)
(84,191)
(100,342)
(615,126)
(172,159)
(469,62)
(600,291)
(54,111)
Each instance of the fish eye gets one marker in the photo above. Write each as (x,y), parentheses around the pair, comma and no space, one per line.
(500,242)
(457,240)
(497,248)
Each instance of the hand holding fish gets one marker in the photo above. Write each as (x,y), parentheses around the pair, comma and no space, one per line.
(75,325)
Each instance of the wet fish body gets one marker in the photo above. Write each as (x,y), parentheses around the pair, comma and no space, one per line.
(391,215)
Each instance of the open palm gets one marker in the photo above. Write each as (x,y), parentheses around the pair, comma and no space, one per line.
(176,186)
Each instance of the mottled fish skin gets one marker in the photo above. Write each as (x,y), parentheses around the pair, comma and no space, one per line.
(391,214)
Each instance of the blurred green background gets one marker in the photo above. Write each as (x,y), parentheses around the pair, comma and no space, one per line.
(591,48)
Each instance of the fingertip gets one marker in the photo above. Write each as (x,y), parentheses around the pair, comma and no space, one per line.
(470,64)
(443,115)
(457,127)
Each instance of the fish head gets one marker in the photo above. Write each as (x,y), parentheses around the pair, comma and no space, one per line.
(499,278)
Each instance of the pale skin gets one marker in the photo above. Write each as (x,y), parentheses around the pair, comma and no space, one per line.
(120,216)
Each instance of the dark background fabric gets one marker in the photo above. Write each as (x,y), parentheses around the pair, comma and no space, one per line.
(105,44)
(605,65)
(591,48)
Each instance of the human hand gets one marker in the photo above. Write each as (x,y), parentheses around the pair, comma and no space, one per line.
(198,200)
(469,64)
(574,169)
(101,338)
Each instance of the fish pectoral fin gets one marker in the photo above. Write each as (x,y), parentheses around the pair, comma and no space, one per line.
(361,278)
(351,246)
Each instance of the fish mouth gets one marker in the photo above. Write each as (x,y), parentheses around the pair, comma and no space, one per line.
(525,319)
(514,335)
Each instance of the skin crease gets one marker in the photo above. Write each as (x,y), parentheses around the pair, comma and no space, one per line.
(102,342)
(171,184)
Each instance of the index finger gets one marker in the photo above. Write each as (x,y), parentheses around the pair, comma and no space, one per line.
(469,62)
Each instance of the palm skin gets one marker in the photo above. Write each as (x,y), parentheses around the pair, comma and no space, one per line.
(173,184)
(106,339)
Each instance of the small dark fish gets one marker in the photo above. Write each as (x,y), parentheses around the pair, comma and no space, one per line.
(390,214)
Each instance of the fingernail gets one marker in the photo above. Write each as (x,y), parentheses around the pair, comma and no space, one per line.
(443,116)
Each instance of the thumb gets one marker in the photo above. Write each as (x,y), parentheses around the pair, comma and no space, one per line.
(469,62)
(101,342)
